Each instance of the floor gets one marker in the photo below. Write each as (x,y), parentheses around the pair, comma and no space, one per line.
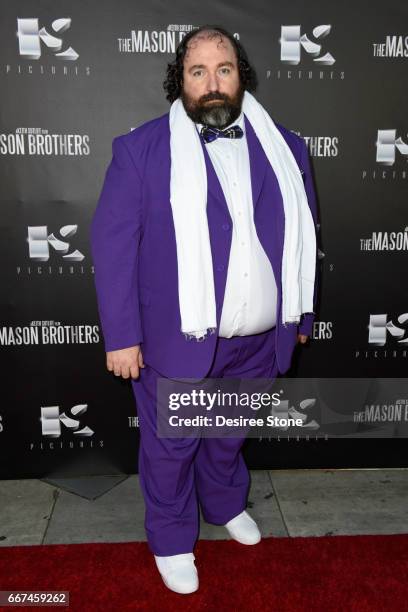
(285,503)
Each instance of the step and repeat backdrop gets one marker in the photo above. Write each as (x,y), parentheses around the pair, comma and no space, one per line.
(73,76)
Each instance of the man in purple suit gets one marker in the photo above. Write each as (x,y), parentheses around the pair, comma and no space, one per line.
(137,249)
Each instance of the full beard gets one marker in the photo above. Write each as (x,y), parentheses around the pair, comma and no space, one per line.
(217,114)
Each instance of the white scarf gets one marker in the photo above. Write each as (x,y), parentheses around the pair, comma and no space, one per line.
(188,196)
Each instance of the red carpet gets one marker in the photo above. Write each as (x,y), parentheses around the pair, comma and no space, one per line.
(337,573)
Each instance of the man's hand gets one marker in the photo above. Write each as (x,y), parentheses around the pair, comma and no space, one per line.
(125,362)
(302,338)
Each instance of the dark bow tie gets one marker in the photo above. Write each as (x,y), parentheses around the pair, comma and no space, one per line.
(211,133)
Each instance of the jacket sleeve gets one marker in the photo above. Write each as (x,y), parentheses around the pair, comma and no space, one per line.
(115,235)
(306,322)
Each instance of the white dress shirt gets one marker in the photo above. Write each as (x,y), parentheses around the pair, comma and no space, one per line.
(250,299)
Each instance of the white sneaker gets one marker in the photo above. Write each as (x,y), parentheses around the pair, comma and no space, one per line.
(179,572)
(243,529)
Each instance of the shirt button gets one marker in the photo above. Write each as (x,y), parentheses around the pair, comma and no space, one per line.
(234,184)
(220,268)
(225,226)
(243,243)
(239,212)
(244,304)
(245,273)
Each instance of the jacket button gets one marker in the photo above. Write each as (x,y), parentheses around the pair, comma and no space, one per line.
(225,226)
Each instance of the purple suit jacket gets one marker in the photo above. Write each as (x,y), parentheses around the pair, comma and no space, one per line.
(133,247)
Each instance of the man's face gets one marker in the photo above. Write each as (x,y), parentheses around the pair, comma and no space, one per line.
(211,91)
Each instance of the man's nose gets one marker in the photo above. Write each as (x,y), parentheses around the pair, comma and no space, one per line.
(213,83)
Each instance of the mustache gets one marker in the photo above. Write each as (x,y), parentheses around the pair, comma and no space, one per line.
(214,96)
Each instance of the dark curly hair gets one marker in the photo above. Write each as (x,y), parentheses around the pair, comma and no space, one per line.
(174,73)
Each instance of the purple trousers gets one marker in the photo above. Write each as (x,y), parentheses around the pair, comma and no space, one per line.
(177,473)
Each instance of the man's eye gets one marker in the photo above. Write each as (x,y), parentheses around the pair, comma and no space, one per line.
(227,69)
(196,72)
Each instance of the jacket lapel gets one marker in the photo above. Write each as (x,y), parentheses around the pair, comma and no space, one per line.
(257,160)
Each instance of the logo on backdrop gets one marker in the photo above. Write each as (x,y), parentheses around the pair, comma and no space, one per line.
(38,141)
(66,429)
(380,329)
(44,247)
(156,41)
(292,42)
(383,332)
(385,241)
(297,47)
(48,332)
(387,146)
(51,421)
(394,46)
(40,242)
(391,151)
(43,43)
(30,37)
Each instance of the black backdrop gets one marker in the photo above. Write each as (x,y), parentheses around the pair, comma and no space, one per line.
(73,76)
